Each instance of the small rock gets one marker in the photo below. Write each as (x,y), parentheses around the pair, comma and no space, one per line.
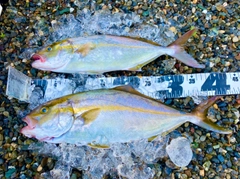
(235,39)
(173,29)
(207,165)
(194,1)
(204,11)
(219,6)
(237,57)
(232,139)
(6,113)
(71,9)
(215,106)
(203,138)
(201,173)
(220,158)
(227,64)
(221,150)
(193,10)
(39,169)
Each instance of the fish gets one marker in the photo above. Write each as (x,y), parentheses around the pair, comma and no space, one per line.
(100,118)
(104,53)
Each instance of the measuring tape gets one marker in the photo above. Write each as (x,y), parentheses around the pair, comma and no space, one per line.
(159,87)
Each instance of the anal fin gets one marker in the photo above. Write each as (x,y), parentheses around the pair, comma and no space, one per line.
(98,146)
(150,139)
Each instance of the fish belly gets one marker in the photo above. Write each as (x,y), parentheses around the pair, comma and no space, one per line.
(112,53)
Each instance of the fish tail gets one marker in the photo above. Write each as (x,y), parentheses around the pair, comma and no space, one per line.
(200,119)
(179,52)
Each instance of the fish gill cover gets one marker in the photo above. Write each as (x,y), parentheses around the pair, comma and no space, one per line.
(131,160)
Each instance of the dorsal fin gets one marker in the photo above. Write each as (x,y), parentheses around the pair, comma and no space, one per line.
(130,89)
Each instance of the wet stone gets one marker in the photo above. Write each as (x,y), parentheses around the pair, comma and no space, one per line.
(220,158)
(202,138)
(215,160)
(235,39)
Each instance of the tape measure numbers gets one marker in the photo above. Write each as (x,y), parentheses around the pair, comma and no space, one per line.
(158,87)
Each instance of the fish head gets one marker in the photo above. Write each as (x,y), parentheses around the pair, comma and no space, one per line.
(53,56)
(49,121)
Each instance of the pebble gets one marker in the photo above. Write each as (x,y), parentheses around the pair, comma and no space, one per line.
(203,138)
(6,113)
(220,158)
(207,165)
(221,150)
(39,168)
(202,173)
(235,39)
(173,29)
(216,146)
(204,11)
(193,10)
(233,139)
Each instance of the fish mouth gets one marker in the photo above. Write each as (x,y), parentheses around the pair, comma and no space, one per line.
(31,124)
(30,131)
(36,57)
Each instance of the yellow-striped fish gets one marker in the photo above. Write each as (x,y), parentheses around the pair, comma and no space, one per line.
(102,117)
(104,53)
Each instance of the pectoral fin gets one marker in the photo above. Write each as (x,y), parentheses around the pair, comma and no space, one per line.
(85,48)
(90,116)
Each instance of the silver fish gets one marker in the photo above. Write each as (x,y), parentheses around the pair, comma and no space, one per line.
(104,53)
(102,117)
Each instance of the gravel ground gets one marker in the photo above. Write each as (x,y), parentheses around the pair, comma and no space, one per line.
(217,44)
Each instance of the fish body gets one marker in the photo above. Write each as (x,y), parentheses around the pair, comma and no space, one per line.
(100,118)
(104,53)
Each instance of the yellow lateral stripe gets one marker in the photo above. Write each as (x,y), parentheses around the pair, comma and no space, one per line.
(101,45)
(121,108)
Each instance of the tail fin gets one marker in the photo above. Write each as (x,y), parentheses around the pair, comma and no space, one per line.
(181,54)
(201,111)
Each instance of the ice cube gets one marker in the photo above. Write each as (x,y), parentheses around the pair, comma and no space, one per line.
(180,151)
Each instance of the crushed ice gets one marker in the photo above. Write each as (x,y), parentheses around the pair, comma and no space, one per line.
(87,23)
(130,160)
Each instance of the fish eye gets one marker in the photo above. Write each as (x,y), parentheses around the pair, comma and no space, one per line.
(44,110)
(49,48)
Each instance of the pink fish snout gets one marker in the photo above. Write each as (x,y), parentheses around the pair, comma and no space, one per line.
(38,57)
(27,130)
